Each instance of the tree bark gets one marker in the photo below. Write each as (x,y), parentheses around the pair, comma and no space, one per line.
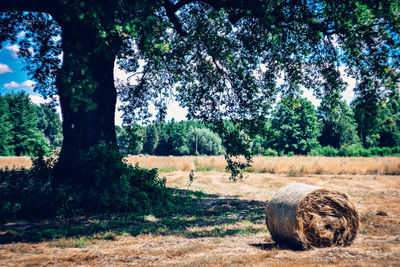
(87,96)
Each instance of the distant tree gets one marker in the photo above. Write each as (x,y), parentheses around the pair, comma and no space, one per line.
(296,126)
(172,139)
(5,128)
(262,141)
(366,113)
(177,132)
(26,137)
(121,137)
(259,144)
(389,131)
(151,139)
(50,124)
(338,126)
(204,142)
(130,139)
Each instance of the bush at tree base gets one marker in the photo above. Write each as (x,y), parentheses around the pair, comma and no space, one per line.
(113,187)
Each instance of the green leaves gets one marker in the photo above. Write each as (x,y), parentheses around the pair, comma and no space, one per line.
(22,136)
(297,129)
(338,124)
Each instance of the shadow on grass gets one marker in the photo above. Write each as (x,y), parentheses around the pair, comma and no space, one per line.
(202,215)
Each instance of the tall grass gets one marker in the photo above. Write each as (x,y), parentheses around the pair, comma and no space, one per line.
(296,165)
(15,162)
(280,165)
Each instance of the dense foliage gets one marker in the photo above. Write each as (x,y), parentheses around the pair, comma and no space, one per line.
(114,187)
(338,124)
(294,128)
(26,128)
(172,138)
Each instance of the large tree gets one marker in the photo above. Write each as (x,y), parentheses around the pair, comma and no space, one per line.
(221,58)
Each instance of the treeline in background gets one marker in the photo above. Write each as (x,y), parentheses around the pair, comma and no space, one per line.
(367,127)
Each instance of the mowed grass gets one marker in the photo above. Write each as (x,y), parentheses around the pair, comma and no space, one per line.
(222,223)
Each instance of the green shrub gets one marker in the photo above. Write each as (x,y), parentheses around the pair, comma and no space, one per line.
(375,151)
(114,186)
(384,151)
(350,151)
(28,193)
(360,151)
(326,151)
(365,152)
(269,152)
(110,186)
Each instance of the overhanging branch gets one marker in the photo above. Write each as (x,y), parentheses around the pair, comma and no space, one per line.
(46,6)
(171,9)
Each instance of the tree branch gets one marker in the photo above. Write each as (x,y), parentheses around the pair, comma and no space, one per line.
(47,6)
(171,9)
(255,6)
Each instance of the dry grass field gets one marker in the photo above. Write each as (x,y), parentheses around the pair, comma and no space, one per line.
(225,225)
(277,165)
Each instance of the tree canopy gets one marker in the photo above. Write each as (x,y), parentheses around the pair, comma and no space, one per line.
(220,59)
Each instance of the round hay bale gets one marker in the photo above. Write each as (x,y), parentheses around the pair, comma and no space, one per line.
(304,216)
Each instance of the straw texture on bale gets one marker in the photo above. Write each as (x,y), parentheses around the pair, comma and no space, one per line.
(305,216)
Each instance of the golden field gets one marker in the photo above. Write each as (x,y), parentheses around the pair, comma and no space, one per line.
(277,165)
(226,225)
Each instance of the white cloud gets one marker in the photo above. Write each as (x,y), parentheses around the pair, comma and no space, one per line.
(120,74)
(13,50)
(11,85)
(124,76)
(28,83)
(4,69)
(25,85)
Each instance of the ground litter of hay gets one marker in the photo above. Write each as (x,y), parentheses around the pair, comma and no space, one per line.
(228,228)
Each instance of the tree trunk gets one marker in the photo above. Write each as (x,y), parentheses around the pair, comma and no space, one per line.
(87,97)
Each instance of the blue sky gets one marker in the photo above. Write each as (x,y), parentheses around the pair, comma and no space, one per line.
(14,79)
